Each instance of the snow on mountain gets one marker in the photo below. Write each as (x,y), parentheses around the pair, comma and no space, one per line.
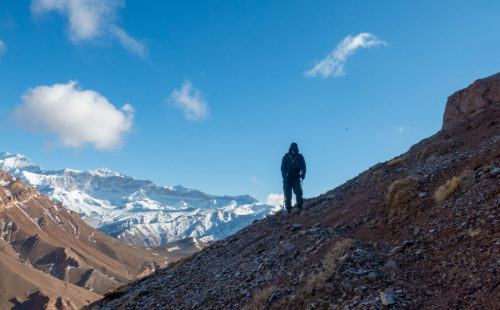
(138,211)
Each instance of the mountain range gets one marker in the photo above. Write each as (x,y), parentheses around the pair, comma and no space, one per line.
(49,257)
(138,211)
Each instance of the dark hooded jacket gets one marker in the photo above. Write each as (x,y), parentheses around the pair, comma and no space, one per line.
(293,167)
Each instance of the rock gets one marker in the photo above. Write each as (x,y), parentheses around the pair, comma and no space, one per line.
(311,249)
(296,226)
(465,103)
(397,250)
(372,276)
(408,243)
(422,194)
(387,299)
(391,266)
(275,296)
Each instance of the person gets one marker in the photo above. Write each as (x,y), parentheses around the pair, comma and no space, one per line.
(293,171)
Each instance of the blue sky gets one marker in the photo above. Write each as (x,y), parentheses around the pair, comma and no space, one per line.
(209,94)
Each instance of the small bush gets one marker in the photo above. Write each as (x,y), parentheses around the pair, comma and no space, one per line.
(377,175)
(436,149)
(466,178)
(446,190)
(261,298)
(401,193)
(316,283)
(396,161)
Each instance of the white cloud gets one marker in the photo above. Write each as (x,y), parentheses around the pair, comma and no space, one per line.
(128,42)
(190,101)
(401,129)
(77,117)
(277,200)
(89,19)
(2,47)
(334,63)
(254,180)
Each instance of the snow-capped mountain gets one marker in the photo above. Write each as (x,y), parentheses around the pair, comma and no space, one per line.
(138,211)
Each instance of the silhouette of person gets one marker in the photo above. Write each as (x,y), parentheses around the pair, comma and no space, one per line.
(293,171)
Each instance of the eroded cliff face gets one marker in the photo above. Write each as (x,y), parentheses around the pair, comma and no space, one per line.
(420,231)
(482,95)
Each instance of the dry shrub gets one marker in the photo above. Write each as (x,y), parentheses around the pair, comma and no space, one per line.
(466,178)
(446,190)
(436,149)
(261,298)
(401,193)
(396,161)
(377,175)
(316,282)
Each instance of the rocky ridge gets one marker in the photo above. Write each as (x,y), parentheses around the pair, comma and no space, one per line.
(420,231)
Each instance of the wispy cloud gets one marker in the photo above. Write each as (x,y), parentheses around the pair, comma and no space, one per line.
(190,101)
(77,117)
(401,129)
(333,64)
(90,19)
(2,47)
(128,42)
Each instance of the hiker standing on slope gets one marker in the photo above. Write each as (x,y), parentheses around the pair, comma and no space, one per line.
(293,171)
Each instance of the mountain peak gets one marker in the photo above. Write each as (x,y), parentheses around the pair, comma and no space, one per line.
(10,162)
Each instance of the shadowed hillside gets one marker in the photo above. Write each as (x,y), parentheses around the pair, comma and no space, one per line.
(417,232)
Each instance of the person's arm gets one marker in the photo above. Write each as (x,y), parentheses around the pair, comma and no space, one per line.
(283,167)
(303,172)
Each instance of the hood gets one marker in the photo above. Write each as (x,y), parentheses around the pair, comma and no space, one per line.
(294,147)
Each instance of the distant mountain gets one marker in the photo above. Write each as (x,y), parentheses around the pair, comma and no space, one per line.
(138,211)
(182,248)
(48,255)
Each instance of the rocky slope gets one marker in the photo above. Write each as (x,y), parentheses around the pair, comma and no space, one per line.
(138,211)
(48,254)
(420,231)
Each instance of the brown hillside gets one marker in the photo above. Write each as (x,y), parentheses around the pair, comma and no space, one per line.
(44,235)
(24,287)
(418,232)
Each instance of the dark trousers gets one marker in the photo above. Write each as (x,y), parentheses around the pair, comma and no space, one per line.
(294,184)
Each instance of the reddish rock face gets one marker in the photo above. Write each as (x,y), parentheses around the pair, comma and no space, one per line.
(465,103)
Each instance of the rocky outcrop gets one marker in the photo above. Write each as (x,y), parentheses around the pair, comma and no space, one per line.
(481,95)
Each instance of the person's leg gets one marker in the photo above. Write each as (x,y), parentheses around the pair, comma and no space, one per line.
(297,190)
(287,190)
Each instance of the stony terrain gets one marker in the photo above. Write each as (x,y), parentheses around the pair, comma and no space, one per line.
(420,231)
